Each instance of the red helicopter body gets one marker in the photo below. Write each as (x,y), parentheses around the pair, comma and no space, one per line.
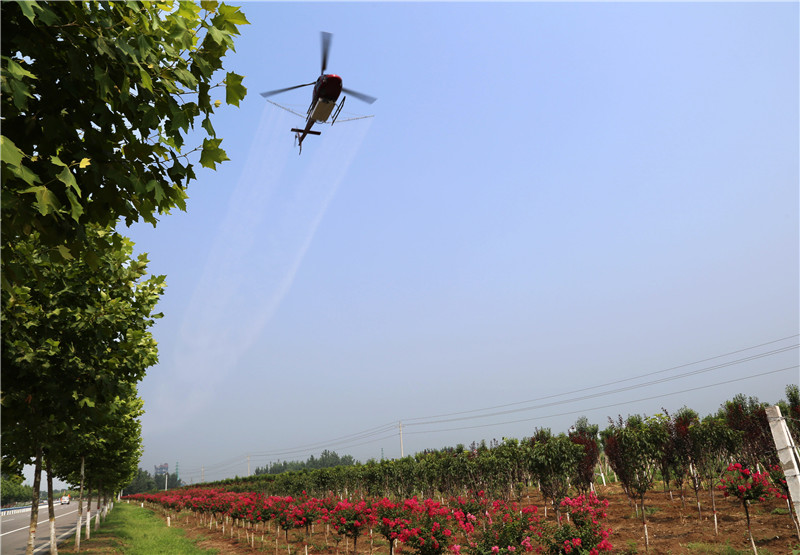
(324,97)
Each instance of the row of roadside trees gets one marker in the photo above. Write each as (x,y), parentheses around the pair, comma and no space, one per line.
(98,101)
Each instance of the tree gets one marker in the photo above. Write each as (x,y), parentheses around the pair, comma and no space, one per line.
(554,460)
(75,342)
(634,448)
(585,435)
(13,490)
(748,416)
(141,483)
(98,99)
(713,444)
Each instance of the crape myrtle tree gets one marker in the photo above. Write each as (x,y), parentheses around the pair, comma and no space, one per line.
(75,342)
(98,101)
(585,435)
(553,462)
(675,461)
(634,449)
(713,444)
(749,416)
(682,448)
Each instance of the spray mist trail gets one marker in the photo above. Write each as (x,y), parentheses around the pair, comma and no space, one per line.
(273,214)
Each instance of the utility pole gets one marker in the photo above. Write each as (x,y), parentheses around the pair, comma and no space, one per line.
(248,465)
(400,425)
(787,453)
(177,476)
(202,474)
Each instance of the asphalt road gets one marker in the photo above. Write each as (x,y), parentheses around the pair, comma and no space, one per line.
(14,528)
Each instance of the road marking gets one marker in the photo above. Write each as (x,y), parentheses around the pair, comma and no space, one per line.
(37,524)
(46,544)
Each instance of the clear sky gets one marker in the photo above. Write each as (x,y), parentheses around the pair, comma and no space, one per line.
(558,210)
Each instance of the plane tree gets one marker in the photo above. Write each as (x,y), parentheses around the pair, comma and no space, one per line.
(99,100)
(75,343)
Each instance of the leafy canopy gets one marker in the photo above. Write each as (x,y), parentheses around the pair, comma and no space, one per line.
(98,99)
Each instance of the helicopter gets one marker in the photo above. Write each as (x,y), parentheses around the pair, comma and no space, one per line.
(327,88)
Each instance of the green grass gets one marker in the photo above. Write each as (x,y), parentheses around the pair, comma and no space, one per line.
(132,530)
(727,549)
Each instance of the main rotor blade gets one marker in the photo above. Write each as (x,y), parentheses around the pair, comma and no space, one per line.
(277,91)
(361,96)
(326,46)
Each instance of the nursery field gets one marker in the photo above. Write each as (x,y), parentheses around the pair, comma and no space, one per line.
(672,528)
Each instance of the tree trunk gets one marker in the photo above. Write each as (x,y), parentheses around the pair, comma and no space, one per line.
(88,511)
(644,523)
(80,513)
(97,509)
(51,511)
(714,508)
(37,484)
(749,532)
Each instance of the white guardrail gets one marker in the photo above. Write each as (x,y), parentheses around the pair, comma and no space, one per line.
(15,510)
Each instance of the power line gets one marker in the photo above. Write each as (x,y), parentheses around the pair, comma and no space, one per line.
(594,395)
(622,380)
(584,410)
(379,433)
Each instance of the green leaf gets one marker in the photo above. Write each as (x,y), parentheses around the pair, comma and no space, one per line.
(46,201)
(209,5)
(216,35)
(28,8)
(212,154)
(147,82)
(185,77)
(57,161)
(26,174)
(68,179)
(16,70)
(76,207)
(20,92)
(9,153)
(234,90)
(208,127)
(233,14)
(188,10)
(65,254)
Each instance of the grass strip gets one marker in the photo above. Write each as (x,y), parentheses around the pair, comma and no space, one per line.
(133,530)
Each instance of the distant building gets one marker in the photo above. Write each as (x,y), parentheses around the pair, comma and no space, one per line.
(161,469)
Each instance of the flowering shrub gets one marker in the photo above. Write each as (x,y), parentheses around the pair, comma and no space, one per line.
(781,487)
(585,534)
(390,520)
(748,486)
(428,531)
(508,530)
(426,527)
(350,519)
(739,481)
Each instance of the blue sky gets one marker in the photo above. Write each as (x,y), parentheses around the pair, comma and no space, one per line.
(551,197)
